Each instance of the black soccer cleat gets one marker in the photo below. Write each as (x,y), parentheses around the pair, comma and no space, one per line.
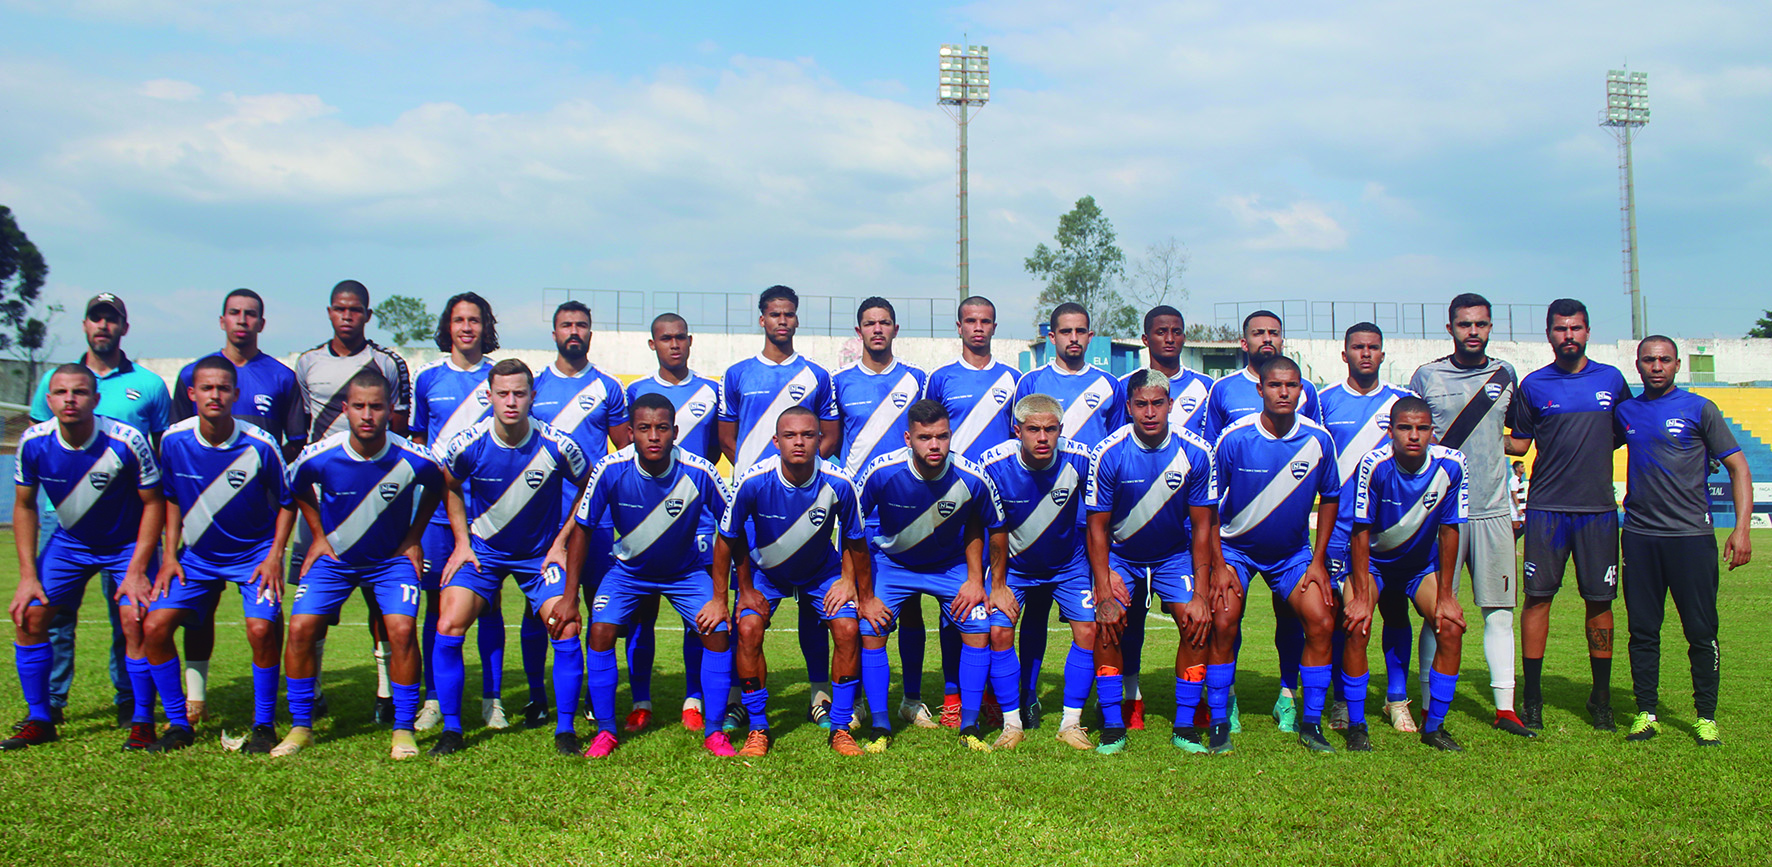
(176,738)
(126,714)
(141,736)
(1219,743)
(1310,736)
(262,740)
(384,710)
(56,717)
(448,742)
(1359,738)
(535,715)
(1030,712)
(1512,726)
(322,707)
(32,733)
(566,744)
(1532,714)
(1440,739)
(1601,713)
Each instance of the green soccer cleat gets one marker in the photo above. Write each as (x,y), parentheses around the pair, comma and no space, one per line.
(1236,715)
(1310,736)
(1113,742)
(1643,726)
(1188,740)
(1705,731)
(1286,713)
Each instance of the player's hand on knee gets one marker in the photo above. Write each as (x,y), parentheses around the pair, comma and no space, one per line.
(1110,618)
(1118,589)
(970,595)
(1447,612)
(267,576)
(711,615)
(1196,621)
(842,593)
(1224,586)
(751,600)
(27,591)
(874,612)
(1356,617)
(463,555)
(1003,599)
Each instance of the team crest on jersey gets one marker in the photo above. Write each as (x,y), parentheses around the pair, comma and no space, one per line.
(1187,404)
(587,401)
(796,392)
(1000,395)
(99,479)
(482,397)
(674,506)
(1675,426)
(1605,399)
(1300,468)
(1530,568)
(818,515)
(946,507)
(1492,391)
(132,394)
(1173,479)
(388,491)
(533,478)
(261,403)
(236,478)
(1092,400)
(697,410)
(1059,495)
(899,399)
(1430,498)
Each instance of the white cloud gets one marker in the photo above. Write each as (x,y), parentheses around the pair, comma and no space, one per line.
(1301,225)
(170,89)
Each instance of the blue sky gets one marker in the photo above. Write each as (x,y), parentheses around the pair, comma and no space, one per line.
(169,150)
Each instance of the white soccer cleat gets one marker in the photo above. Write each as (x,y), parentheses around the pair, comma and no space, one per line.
(492,710)
(1401,719)
(430,715)
(917,713)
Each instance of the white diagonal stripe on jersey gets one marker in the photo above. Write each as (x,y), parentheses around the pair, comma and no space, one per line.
(470,410)
(635,542)
(218,493)
(688,422)
(1367,438)
(789,543)
(1277,490)
(1030,531)
(573,413)
(83,496)
(976,419)
(926,523)
(1407,526)
(1155,498)
(884,415)
(350,531)
(1195,389)
(760,434)
(1077,414)
(516,496)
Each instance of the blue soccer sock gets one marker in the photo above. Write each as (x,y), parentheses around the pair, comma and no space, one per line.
(1397,642)
(601,678)
(34,661)
(1219,680)
(141,682)
(405,704)
(428,646)
(1132,644)
(1289,643)
(876,680)
(1110,691)
(814,641)
(1315,680)
(264,694)
(491,641)
(1441,688)
(843,702)
(532,639)
(569,666)
(716,681)
(755,696)
(1036,610)
(301,701)
(1079,676)
(1337,647)
(642,648)
(949,638)
(692,666)
(1354,687)
(1188,689)
(975,671)
(452,678)
(1006,680)
(169,679)
(912,648)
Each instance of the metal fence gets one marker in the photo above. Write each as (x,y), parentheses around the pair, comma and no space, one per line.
(1329,319)
(736,312)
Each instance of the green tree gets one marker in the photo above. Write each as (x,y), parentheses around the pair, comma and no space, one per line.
(1762,328)
(22,272)
(405,317)
(1083,269)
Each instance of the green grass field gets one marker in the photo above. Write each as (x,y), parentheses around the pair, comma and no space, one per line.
(1571,796)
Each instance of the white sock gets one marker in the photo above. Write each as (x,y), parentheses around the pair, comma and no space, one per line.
(382,687)
(1425,656)
(1073,716)
(319,663)
(1012,722)
(690,704)
(1498,649)
(642,705)
(1137,692)
(196,680)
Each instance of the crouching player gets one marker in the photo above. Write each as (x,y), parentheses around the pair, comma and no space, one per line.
(1410,498)
(666,504)
(366,534)
(105,484)
(516,473)
(1039,478)
(228,519)
(933,509)
(1152,502)
(792,504)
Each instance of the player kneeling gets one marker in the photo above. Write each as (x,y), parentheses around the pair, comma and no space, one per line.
(792,504)
(227,507)
(356,490)
(508,480)
(1410,497)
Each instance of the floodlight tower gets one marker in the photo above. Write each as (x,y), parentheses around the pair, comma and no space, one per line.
(965,88)
(1627,110)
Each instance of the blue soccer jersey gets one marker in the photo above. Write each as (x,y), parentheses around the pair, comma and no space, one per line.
(1270,485)
(515,496)
(1147,492)
(1568,416)
(697,400)
(1406,510)
(93,485)
(1235,395)
(447,400)
(666,522)
(754,393)
(979,404)
(1188,391)
(1357,422)
(1042,509)
(269,397)
(922,522)
(366,503)
(792,527)
(1087,396)
(228,493)
(585,406)
(872,407)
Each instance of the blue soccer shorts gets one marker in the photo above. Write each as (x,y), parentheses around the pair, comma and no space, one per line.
(623,588)
(894,585)
(65,565)
(1281,577)
(1340,569)
(808,594)
(487,578)
(205,580)
(438,543)
(1072,587)
(599,559)
(1172,580)
(323,591)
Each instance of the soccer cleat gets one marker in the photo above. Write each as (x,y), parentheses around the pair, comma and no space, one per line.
(384,710)
(448,742)
(591,715)
(1643,726)
(1601,714)
(917,713)
(298,739)
(692,719)
(1508,721)
(858,718)
(1075,737)
(1532,714)
(176,738)
(492,710)
(1285,713)
(718,744)
(535,715)
(1030,712)
(1359,739)
(819,714)
(973,739)
(843,743)
(755,744)
(1135,715)
(950,712)
(601,745)
(322,707)
(737,719)
(1338,718)
(1310,736)
(1113,742)
(1401,719)
(403,746)
(1188,740)
(1705,732)
(196,710)
(430,715)
(141,736)
(262,740)
(1236,716)
(1008,740)
(880,740)
(1219,744)
(638,718)
(990,714)
(56,717)
(566,743)
(231,743)
(1440,739)
(32,733)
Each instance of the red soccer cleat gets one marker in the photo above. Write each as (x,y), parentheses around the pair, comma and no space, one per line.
(950,711)
(693,720)
(1135,716)
(717,744)
(638,718)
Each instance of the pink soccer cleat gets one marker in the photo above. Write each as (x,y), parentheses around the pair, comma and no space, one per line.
(717,744)
(601,746)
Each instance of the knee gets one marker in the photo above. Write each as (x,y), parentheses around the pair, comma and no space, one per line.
(1083,634)
(602,637)
(717,642)
(845,629)
(1002,638)
(400,630)
(1319,624)
(750,631)
(257,630)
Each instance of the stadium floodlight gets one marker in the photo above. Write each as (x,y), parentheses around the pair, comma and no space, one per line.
(965,88)
(1627,110)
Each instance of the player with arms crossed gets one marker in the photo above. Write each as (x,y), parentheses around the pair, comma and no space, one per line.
(228,519)
(1410,500)
(780,532)
(105,484)
(507,475)
(1151,498)
(1278,464)
(666,505)
(356,490)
